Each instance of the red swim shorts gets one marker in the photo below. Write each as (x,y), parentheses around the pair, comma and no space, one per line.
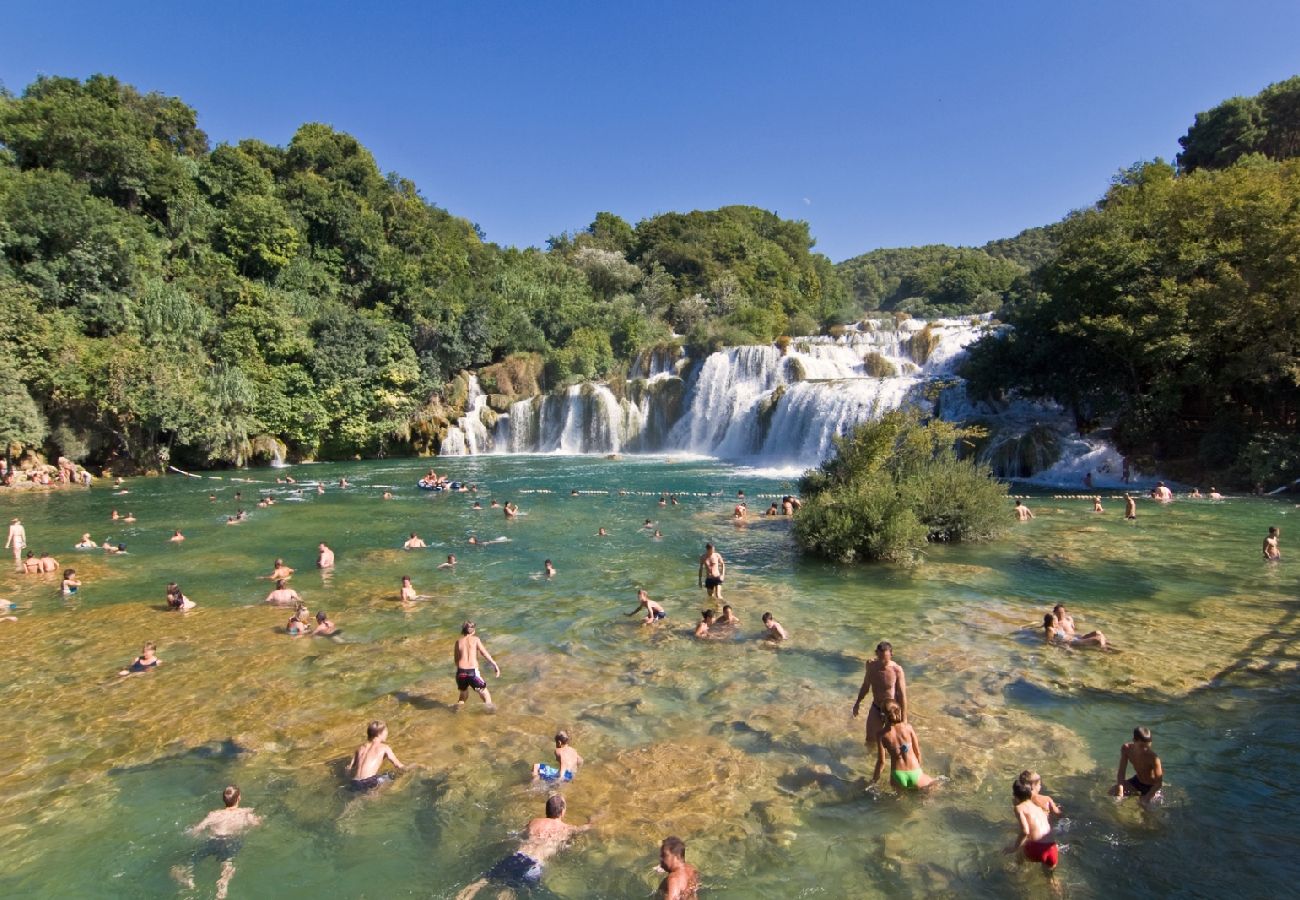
(1041,851)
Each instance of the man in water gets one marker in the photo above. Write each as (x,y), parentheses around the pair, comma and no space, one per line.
(324,557)
(885,679)
(1035,828)
(1148,773)
(450,563)
(548,570)
(713,569)
(1022,512)
(1271,550)
(654,612)
(683,880)
(369,758)
(543,838)
(706,620)
(283,596)
(224,828)
(18,540)
(465,653)
(1130,507)
(413,542)
(49,563)
(775,632)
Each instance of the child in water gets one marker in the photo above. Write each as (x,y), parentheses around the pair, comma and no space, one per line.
(566,765)
(70,582)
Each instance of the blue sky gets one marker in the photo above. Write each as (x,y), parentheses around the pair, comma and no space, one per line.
(880,123)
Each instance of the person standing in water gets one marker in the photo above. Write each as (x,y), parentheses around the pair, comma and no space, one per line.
(369,758)
(654,612)
(18,540)
(713,570)
(1022,512)
(885,680)
(465,653)
(1130,507)
(1035,828)
(224,828)
(324,557)
(683,879)
(1148,773)
(900,740)
(1272,551)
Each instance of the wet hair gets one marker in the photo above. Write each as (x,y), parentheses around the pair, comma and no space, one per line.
(406,577)
(375,729)
(893,712)
(412,534)
(706,546)
(726,606)
(1142,733)
(467,628)
(1049,621)
(68,573)
(1021,791)
(321,616)
(767,616)
(1272,529)
(150,645)
(278,563)
(547,563)
(230,796)
(561,738)
(555,806)
(675,846)
(708,615)
(1029,776)
(884,645)
(279,584)
(1058,608)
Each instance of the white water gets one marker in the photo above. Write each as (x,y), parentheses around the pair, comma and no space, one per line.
(768,408)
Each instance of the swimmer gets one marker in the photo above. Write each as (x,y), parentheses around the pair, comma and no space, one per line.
(522,870)
(1215,495)
(1096,505)
(713,570)
(48,563)
(683,879)
(548,570)
(282,596)
(1162,493)
(658,535)
(87,543)
(602,533)
(413,542)
(324,627)
(324,557)
(648,524)
(70,582)
(775,631)
(654,612)
(1035,828)
(706,621)
(343,483)
(388,495)
(31,564)
(176,599)
(299,621)
(494,505)
(223,827)
(147,661)
(1272,551)
(477,505)
(320,487)
(673,499)
(663,500)
(1022,512)
(408,593)
(1130,507)
(886,681)
(566,765)
(450,563)
(1035,783)
(115,549)
(17,539)
(728,617)
(176,537)
(369,758)
(739,512)
(129,517)
(465,653)
(1195,494)
(1148,773)
(280,572)
(772,510)
(114,516)
(900,740)
(1061,630)
(511,510)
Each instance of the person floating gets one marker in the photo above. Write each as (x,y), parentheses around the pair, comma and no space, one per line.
(543,838)
(224,828)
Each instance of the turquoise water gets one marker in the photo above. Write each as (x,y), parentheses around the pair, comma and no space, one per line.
(746,752)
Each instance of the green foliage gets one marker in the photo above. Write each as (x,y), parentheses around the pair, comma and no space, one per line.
(1268,124)
(21,422)
(892,486)
(934,280)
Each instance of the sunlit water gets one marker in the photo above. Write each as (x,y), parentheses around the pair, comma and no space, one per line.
(746,752)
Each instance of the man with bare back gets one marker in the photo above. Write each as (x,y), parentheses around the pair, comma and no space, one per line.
(713,569)
(468,647)
(886,682)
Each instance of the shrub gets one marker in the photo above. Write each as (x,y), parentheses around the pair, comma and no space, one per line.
(879,367)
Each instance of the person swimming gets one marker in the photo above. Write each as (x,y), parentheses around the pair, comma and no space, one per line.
(176,599)
(369,758)
(567,761)
(70,582)
(147,661)
(324,627)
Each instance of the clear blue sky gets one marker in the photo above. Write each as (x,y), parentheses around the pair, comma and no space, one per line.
(880,123)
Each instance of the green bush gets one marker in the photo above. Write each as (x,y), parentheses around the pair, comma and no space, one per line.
(892,486)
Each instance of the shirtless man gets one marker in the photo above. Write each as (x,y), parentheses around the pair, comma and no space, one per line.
(728,617)
(683,880)
(31,564)
(324,557)
(282,596)
(369,758)
(1035,828)
(465,653)
(654,612)
(223,828)
(450,563)
(280,572)
(49,563)
(706,620)
(543,838)
(548,570)
(18,540)
(1130,507)
(713,570)
(885,679)
(1271,550)
(413,542)
(775,632)
(1148,773)
(324,627)
(176,537)
(1022,512)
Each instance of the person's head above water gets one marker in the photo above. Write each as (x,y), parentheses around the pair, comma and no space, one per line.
(672,849)
(1049,620)
(279,584)
(468,628)
(376,729)
(230,796)
(555,806)
(708,615)
(767,617)
(561,738)
(1021,791)
(1142,733)
(321,617)
(893,712)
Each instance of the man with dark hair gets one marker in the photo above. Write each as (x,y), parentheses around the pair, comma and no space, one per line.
(683,880)
(1035,828)
(884,678)
(1148,773)
(224,828)
(713,571)
(543,838)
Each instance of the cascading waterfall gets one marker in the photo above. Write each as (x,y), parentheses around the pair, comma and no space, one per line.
(469,436)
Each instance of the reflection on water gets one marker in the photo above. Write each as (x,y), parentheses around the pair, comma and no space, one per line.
(746,751)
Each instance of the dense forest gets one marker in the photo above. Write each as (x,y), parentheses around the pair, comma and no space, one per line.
(164,299)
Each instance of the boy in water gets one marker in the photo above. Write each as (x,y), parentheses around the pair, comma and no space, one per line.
(370,756)
(566,765)
(224,828)
(1271,550)
(775,632)
(465,653)
(706,620)
(654,612)
(1022,512)
(450,563)
(1035,828)
(1148,773)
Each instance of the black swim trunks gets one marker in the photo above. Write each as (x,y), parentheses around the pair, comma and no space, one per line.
(516,870)
(1141,787)
(222,846)
(362,785)
(469,678)
(712,582)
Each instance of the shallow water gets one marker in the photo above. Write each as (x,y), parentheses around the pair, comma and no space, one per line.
(747,752)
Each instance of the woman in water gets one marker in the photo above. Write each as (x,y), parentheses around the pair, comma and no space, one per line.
(145,662)
(176,599)
(900,741)
(70,582)
(1058,628)
(298,621)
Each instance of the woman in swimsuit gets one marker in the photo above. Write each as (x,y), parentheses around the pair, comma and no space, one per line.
(145,662)
(900,740)
(70,582)
(1058,627)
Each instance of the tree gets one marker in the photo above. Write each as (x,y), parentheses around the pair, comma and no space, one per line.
(21,422)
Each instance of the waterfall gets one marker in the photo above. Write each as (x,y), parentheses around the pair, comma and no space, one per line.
(469,436)
(277,458)
(584,418)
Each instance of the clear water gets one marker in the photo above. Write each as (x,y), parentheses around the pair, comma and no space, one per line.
(746,752)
